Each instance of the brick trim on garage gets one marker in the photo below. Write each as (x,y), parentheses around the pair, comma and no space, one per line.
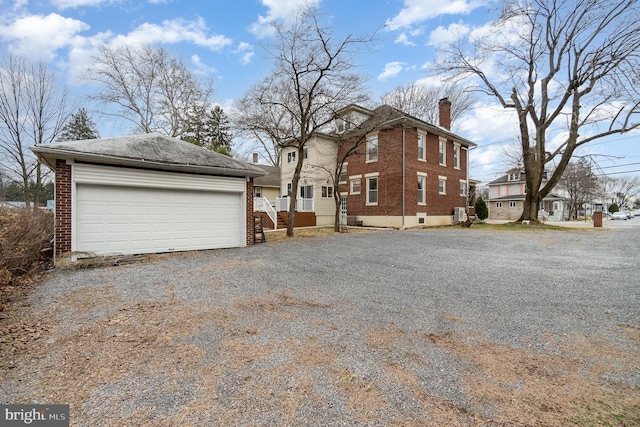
(249,213)
(62,226)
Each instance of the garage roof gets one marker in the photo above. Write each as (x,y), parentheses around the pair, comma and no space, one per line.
(150,151)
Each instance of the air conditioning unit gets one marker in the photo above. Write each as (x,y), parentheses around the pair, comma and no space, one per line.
(459,215)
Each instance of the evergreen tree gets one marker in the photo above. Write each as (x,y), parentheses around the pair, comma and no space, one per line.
(481,209)
(80,126)
(210,129)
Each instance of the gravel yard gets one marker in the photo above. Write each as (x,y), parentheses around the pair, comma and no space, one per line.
(423,327)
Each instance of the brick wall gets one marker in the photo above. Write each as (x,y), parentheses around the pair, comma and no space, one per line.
(249,213)
(63,207)
(389,167)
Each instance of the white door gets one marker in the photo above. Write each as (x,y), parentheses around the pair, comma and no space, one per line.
(134,220)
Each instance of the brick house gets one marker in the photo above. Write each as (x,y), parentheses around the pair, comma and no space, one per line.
(507,194)
(402,171)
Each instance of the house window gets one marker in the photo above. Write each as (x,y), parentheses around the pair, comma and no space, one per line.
(355,185)
(463,188)
(498,204)
(291,157)
(421,190)
(422,152)
(304,152)
(442,152)
(372,149)
(372,191)
(342,176)
(512,204)
(306,192)
(257,192)
(442,184)
(327,192)
(456,156)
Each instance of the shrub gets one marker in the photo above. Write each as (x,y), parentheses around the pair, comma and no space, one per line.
(24,233)
(613,208)
(481,209)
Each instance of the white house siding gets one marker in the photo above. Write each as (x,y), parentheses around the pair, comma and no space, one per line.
(323,152)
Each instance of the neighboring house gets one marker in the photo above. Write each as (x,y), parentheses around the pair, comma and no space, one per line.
(404,173)
(507,194)
(147,193)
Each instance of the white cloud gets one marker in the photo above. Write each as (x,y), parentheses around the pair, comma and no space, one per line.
(201,67)
(403,39)
(67,4)
(391,69)
(277,10)
(416,11)
(174,31)
(441,36)
(40,37)
(245,50)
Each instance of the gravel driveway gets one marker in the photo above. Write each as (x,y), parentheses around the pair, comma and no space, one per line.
(422,327)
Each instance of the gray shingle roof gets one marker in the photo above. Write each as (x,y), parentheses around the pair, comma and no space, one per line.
(152,151)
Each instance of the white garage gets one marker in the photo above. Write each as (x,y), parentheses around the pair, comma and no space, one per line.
(148,194)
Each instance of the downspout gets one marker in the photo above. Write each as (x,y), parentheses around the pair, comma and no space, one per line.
(403,170)
(468,192)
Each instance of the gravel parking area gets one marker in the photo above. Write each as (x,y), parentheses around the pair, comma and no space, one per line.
(419,327)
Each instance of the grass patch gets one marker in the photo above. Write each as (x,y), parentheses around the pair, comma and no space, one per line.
(512,226)
(307,232)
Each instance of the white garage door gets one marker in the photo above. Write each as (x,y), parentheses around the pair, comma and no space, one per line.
(134,220)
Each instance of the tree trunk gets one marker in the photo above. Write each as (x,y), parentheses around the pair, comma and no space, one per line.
(294,191)
(336,218)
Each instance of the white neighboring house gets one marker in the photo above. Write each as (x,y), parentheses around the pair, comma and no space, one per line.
(315,188)
(507,194)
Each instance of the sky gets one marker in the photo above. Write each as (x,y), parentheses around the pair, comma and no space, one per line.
(224,39)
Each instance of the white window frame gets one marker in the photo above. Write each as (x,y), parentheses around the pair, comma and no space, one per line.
(257,191)
(368,179)
(291,157)
(512,204)
(463,188)
(442,189)
(342,176)
(305,153)
(289,188)
(456,156)
(498,204)
(326,192)
(422,144)
(442,151)
(422,192)
(352,179)
(302,188)
(370,150)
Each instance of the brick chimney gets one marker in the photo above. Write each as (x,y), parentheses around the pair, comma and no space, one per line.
(255,158)
(445,113)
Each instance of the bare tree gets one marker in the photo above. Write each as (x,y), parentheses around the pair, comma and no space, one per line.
(313,76)
(32,112)
(581,184)
(421,101)
(621,189)
(148,88)
(568,68)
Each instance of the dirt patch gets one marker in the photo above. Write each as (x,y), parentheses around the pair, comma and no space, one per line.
(139,364)
(572,387)
(304,233)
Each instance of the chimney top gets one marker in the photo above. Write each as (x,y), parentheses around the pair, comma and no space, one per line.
(445,113)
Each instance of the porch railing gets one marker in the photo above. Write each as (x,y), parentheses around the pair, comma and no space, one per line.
(302,205)
(260,204)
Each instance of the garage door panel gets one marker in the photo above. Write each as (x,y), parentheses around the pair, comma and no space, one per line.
(112,219)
